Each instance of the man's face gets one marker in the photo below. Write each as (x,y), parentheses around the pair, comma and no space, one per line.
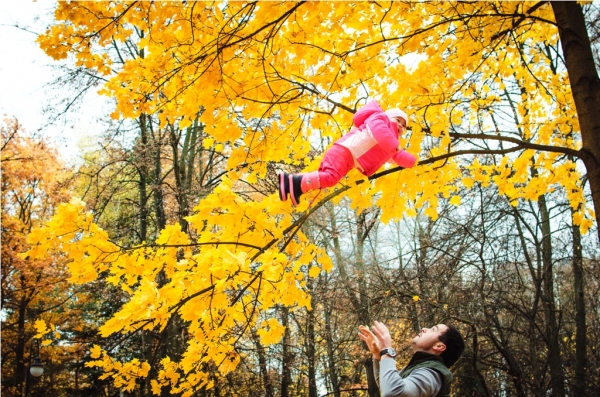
(429,339)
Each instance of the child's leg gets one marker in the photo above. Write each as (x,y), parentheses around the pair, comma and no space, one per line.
(336,163)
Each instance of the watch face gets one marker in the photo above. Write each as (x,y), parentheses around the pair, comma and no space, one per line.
(389,351)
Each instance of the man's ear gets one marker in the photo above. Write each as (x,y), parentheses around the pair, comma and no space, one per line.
(439,348)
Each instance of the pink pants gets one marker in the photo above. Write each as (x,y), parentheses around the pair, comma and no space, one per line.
(336,163)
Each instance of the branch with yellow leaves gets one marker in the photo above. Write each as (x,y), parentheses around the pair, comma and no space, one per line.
(520,143)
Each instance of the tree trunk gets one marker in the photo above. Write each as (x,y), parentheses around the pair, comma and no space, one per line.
(335,384)
(157,193)
(371,382)
(142,169)
(361,303)
(146,350)
(311,353)
(262,364)
(20,371)
(286,362)
(474,356)
(557,377)
(585,85)
(364,227)
(579,386)
(500,342)
(339,260)
(536,277)
(183,168)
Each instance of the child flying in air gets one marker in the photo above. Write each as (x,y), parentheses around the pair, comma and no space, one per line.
(372,141)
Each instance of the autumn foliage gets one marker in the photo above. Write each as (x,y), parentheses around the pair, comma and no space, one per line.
(270,85)
(34,182)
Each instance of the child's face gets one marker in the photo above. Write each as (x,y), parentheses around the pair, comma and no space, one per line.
(401,124)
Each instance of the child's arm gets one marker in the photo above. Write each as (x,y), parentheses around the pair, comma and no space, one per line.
(365,112)
(383,132)
(404,159)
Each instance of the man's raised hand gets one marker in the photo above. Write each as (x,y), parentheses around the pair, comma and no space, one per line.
(382,334)
(371,340)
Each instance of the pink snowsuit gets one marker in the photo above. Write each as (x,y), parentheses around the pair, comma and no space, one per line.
(372,142)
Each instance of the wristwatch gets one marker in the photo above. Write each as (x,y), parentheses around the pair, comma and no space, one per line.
(389,351)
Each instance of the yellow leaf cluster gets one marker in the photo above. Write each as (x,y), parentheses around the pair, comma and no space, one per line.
(124,375)
(270,331)
(268,89)
(213,281)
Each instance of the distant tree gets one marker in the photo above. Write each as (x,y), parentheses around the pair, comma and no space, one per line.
(35,292)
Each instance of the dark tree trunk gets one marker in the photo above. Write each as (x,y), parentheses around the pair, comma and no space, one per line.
(371,382)
(585,85)
(311,353)
(286,364)
(262,364)
(143,172)
(579,386)
(159,204)
(474,357)
(536,277)
(363,228)
(20,371)
(557,377)
(183,167)
(335,384)
(513,368)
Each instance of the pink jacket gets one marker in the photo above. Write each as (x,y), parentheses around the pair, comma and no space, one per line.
(373,140)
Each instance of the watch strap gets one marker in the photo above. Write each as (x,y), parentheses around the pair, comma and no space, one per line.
(389,351)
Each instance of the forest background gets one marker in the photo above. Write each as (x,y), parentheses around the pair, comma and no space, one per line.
(163,263)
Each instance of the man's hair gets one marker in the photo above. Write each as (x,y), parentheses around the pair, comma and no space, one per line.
(455,345)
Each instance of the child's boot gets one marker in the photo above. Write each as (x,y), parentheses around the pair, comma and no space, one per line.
(284,185)
(302,183)
(297,184)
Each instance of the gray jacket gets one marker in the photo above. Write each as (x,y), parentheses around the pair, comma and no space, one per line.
(422,382)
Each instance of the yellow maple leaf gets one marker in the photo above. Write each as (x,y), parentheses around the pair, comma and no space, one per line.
(41,328)
(314,271)
(95,351)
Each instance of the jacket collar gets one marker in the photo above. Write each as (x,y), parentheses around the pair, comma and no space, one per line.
(420,357)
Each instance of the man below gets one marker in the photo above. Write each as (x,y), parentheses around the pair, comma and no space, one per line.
(426,375)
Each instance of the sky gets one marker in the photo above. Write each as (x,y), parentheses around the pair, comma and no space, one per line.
(25,70)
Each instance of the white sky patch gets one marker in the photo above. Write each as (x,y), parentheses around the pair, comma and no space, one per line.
(412,60)
(25,70)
